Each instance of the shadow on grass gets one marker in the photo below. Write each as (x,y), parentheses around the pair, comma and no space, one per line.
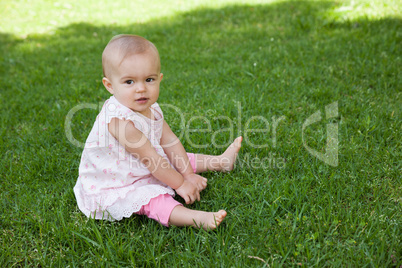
(288,58)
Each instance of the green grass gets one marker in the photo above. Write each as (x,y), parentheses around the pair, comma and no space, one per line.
(229,58)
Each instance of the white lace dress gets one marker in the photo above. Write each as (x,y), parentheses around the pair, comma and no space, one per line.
(113,184)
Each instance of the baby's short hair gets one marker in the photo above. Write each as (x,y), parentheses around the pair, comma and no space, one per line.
(122,46)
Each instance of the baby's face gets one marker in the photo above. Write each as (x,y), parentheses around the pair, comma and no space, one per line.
(135,83)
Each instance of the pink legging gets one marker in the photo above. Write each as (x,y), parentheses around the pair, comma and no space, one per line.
(159,208)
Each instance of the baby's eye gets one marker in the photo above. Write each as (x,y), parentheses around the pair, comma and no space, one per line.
(149,79)
(129,82)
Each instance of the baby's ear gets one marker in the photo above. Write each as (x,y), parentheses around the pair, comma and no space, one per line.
(108,85)
(161,76)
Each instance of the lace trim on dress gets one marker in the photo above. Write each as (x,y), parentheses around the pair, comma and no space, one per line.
(117,204)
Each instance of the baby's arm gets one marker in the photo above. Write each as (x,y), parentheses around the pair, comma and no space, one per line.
(135,142)
(178,157)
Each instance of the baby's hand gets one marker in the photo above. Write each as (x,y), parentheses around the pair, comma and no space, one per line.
(189,192)
(199,181)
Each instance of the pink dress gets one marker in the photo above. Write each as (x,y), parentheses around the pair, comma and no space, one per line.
(113,184)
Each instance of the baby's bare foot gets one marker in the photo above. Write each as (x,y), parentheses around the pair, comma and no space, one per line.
(210,220)
(228,158)
(182,216)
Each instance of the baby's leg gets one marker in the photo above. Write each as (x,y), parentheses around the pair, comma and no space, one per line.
(182,216)
(159,208)
(223,162)
(168,211)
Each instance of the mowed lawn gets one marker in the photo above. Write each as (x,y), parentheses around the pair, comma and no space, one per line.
(314,87)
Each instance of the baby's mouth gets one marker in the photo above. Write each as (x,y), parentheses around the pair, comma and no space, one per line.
(141,100)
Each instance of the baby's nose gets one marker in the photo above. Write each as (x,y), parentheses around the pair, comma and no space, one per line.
(140,87)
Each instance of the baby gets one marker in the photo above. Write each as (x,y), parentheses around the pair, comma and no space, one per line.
(132,162)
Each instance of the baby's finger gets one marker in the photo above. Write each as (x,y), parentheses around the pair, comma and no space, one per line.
(200,186)
(191,198)
(186,199)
